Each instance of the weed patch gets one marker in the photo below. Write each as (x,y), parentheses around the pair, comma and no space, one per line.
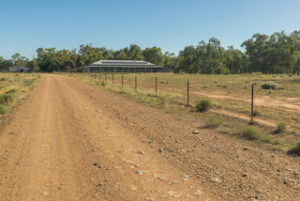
(28,82)
(203,105)
(213,121)
(256,113)
(281,127)
(8,97)
(295,149)
(3,109)
(252,133)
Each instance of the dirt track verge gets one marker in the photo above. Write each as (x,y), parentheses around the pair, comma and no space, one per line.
(72,141)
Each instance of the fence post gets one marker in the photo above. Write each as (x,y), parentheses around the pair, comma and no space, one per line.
(112,79)
(156,86)
(252,95)
(105,78)
(122,80)
(135,79)
(188,93)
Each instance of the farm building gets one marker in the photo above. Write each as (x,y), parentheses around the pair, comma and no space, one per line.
(21,69)
(128,66)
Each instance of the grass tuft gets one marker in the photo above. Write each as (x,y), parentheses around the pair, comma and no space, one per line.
(7,97)
(281,127)
(27,83)
(295,149)
(213,121)
(252,133)
(203,105)
(256,113)
(3,109)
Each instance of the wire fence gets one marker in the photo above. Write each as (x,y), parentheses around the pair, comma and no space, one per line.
(156,87)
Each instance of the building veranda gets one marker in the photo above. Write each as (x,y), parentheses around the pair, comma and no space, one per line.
(126,66)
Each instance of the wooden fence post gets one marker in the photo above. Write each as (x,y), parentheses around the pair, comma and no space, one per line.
(135,79)
(122,80)
(112,79)
(188,93)
(252,97)
(105,78)
(156,86)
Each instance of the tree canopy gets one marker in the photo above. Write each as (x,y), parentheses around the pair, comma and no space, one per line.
(276,53)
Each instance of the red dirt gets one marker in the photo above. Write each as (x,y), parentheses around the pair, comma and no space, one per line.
(71,141)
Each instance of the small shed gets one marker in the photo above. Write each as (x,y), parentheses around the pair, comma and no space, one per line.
(20,69)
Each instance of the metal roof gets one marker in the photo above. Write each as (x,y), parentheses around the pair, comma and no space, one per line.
(123,63)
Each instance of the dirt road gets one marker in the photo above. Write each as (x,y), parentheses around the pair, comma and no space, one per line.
(73,142)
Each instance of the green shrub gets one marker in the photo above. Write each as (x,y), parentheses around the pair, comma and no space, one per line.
(281,127)
(269,85)
(224,86)
(3,109)
(203,105)
(213,122)
(2,79)
(295,149)
(252,133)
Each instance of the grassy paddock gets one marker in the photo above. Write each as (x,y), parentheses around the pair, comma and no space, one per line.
(230,94)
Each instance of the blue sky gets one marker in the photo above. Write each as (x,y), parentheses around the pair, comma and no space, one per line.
(114,24)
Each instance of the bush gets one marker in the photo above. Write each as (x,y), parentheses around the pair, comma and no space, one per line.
(253,134)
(213,122)
(269,85)
(295,149)
(3,109)
(2,79)
(281,127)
(203,105)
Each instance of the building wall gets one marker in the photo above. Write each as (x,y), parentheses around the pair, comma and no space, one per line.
(18,69)
(125,70)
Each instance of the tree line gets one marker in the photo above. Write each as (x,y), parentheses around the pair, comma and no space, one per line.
(276,53)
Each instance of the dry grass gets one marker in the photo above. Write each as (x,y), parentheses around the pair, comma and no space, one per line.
(12,85)
(229,93)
